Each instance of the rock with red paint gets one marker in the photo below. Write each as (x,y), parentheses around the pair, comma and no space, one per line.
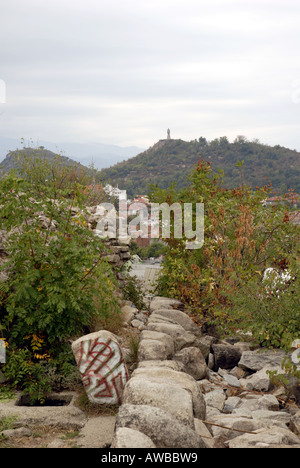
(101,364)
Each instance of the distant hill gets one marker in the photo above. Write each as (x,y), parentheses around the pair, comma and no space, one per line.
(171,161)
(101,155)
(12,159)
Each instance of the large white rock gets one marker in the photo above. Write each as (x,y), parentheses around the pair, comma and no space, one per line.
(176,316)
(159,302)
(266,438)
(161,427)
(155,346)
(181,337)
(260,380)
(153,350)
(176,366)
(101,364)
(125,437)
(170,397)
(166,375)
(257,360)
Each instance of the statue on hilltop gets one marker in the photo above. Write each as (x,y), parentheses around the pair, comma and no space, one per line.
(168,134)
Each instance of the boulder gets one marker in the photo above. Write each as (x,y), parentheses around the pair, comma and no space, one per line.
(274,437)
(165,395)
(125,437)
(260,380)
(161,427)
(266,402)
(159,302)
(193,361)
(232,424)
(102,367)
(138,324)
(142,317)
(232,381)
(155,345)
(153,350)
(176,316)
(229,379)
(216,399)
(165,375)
(204,433)
(226,356)
(128,313)
(174,365)
(238,372)
(182,338)
(231,404)
(204,343)
(256,360)
(272,418)
(157,318)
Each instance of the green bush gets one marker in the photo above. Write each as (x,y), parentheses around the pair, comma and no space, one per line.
(155,249)
(222,282)
(271,312)
(133,292)
(57,281)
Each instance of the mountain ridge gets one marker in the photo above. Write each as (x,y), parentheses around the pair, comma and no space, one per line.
(101,155)
(14,159)
(171,161)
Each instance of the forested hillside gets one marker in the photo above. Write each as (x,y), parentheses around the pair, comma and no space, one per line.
(15,159)
(171,161)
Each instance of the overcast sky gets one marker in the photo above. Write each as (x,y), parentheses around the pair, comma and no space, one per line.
(123,72)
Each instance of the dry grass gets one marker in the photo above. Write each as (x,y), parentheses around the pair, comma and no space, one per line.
(41,437)
(113,323)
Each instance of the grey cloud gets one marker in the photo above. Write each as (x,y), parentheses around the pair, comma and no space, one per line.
(143,66)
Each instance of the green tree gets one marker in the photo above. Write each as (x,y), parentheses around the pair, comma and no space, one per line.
(242,238)
(56,279)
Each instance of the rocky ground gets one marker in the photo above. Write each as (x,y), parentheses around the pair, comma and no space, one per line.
(71,426)
(186,390)
(210,393)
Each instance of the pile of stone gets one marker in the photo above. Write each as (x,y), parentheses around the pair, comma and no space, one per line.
(194,391)
(117,248)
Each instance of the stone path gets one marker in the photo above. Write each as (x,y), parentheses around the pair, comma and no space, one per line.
(97,432)
(187,390)
(195,391)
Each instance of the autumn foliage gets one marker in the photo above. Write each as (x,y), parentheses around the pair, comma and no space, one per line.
(222,283)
